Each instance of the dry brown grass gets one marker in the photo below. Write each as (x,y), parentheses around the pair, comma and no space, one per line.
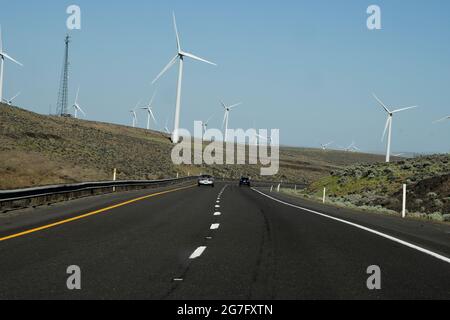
(40,150)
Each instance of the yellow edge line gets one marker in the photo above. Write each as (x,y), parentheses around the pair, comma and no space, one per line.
(56,224)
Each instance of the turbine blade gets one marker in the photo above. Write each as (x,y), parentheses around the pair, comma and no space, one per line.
(223,104)
(152,99)
(190,55)
(404,109)
(169,65)
(236,105)
(11,59)
(176,32)
(153,116)
(1,40)
(137,106)
(209,120)
(81,110)
(381,103)
(76,97)
(13,98)
(443,119)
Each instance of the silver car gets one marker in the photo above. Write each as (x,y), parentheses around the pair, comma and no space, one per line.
(206,180)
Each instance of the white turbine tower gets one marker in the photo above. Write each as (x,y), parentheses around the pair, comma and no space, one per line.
(10,101)
(3,56)
(179,57)
(134,114)
(76,107)
(388,128)
(226,117)
(150,114)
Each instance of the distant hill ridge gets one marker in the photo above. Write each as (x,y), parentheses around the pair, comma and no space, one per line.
(40,150)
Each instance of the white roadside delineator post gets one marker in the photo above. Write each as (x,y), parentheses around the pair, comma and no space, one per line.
(279,188)
(114,178)
(271,189)
(324,195)
(404,202)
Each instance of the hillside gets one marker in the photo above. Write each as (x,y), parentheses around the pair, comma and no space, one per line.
(41,150)
(380,185)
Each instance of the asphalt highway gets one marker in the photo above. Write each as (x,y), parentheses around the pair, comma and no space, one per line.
(217,243)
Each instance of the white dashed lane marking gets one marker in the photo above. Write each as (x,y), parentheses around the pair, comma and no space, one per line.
(215,226)
(217,214)
(197,253)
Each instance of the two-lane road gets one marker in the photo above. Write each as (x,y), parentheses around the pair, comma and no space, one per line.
(205,243)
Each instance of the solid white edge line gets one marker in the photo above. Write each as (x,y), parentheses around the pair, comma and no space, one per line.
(197,253)
(378,233)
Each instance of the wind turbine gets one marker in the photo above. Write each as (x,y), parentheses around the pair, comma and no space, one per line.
(179,57)
(351,148)
(325,146)
(77,107)
(134,114)
(150,114)
(388,128)
(3,56)
(226,117)
(10,101)
(205,124)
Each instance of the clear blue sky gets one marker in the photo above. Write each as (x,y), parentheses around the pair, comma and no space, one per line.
(305,67)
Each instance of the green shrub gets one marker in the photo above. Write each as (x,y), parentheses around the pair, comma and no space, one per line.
(437,216)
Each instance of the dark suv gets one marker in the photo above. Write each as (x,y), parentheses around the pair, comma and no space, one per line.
(244,182)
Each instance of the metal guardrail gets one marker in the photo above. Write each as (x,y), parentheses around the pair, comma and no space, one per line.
(23,194)
(22,198)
